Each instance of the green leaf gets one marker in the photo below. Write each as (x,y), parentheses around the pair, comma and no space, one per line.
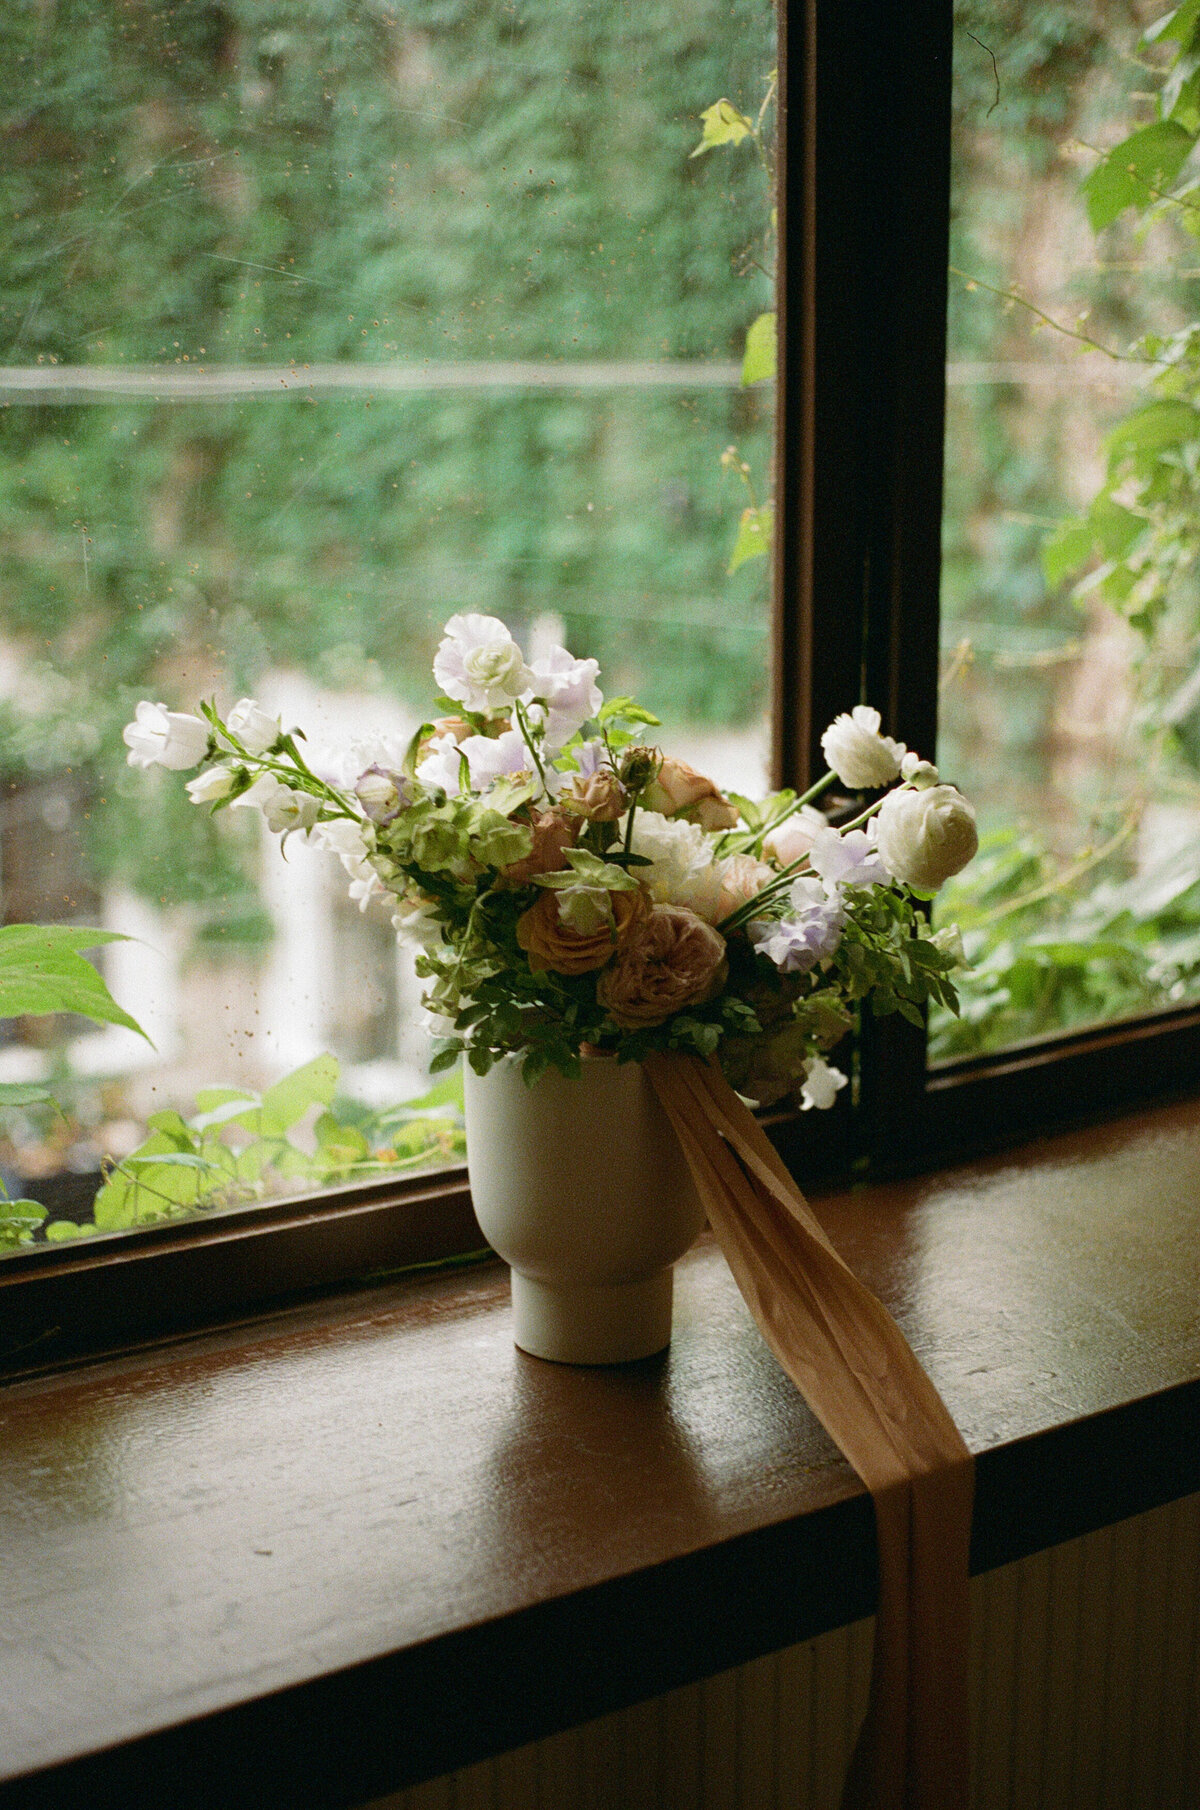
(628,712)
(1136,171)
(1180,25)
(758,360)
(290,1099)
(1066,549)
(722,124)
(41,971)
(592,871)
(24,1093)
(1151,429)
(753,537)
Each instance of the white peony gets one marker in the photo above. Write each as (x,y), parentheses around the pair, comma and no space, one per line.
(682,870)
(480,665)
(158,737)
(858,753)
(924,837)
(253,726)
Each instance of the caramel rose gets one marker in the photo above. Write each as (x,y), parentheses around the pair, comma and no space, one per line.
(678,790)
(600,796)
(549,943)
(674,960)
(553,834)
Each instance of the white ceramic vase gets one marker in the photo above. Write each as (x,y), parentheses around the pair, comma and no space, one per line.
(582,1188)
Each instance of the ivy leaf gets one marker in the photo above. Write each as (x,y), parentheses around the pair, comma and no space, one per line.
(1136,171)
(41,971)
(753,537)
(1149,430)
(24,1093)
(758,360)
(722,125)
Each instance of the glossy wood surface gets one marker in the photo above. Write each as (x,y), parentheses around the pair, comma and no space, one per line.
(309,1559)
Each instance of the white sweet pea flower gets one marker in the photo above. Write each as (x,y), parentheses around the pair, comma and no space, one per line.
(570,693)
(822,1084)
(682,870)
(440,768)
(364,892)
(287,811)
(253,726)
(480,665)
(925,837)
(261,794)
(418,926)
(949,940)
(858,753)
(349,842)
(847,860)
(497,758)
(208,788)
(158,737)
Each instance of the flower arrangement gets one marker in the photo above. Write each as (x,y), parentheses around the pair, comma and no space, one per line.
(573,888)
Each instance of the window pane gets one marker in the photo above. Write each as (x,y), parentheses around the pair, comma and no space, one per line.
(1069,618)
(319,323)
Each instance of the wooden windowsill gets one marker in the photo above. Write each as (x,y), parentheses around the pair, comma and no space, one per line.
(311,1558)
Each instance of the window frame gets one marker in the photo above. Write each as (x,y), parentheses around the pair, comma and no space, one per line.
(863,158)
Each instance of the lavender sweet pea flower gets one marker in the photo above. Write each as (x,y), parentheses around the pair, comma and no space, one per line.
(570,693)
(849,860)
(506,754)
(813,930)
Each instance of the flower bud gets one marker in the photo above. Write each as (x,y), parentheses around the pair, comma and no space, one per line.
(926,836)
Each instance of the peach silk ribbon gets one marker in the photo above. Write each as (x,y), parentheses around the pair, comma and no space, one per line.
(856,1371)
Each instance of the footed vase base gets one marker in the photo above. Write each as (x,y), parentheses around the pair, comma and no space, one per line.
(583,1323)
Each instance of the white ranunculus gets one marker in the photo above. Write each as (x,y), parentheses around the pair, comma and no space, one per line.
(822,1084)
(480,665)
(924,837)
(158,737)
(208,787)
(570,693)
(682,870)
(253,726)
(861,756)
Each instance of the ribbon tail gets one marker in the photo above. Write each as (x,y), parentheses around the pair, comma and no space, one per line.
(854,1367)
